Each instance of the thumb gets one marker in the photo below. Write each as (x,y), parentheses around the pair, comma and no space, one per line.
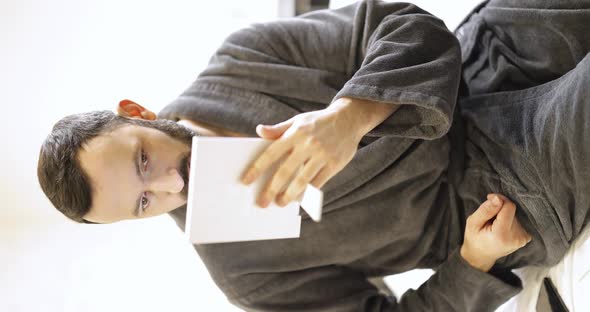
(486,211)
(273,132)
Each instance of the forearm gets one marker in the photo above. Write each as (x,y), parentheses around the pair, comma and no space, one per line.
(362,115)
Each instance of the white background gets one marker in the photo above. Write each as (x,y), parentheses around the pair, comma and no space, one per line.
(64,56)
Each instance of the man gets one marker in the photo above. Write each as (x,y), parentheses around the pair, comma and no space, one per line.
(390,74)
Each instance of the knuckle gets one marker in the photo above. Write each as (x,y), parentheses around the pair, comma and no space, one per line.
(487,209)
(314,143)
(305,131)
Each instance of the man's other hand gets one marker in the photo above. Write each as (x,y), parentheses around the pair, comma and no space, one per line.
(492,232)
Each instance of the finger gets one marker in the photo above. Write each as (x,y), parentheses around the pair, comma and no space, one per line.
(271,154)
(281,177)
(491,196)
(522,234)
(322,177)
(273,132)
(486,211)
(301,180)
(505,217)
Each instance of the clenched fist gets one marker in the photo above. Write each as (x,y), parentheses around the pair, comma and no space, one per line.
(492,232)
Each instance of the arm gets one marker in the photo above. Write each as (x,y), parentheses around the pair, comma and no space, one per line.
(315,145)
(363,115)
(457,284)
(370,52)
(382,52)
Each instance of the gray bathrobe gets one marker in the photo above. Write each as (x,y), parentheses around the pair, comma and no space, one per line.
(402,201)
(525,101)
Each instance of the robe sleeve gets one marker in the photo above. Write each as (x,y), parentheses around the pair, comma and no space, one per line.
(385,52)
(456,286)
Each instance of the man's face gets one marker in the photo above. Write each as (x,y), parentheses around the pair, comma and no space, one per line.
(136,172)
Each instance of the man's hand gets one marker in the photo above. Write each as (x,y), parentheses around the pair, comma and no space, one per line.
(492,232)
(315,145)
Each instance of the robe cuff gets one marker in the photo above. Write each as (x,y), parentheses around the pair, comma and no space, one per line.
(487,290)
(420,116)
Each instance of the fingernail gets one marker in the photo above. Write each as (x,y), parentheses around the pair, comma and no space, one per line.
(496,201)
(263,202)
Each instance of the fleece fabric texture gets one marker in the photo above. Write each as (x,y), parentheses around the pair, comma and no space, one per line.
(401,203)
(525,104)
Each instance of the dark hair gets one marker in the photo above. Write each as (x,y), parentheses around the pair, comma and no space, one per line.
(61,178)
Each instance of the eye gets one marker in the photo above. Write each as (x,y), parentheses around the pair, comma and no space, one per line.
(144,159)
(144,202)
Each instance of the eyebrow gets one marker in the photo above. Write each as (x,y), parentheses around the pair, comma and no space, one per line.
(138,173)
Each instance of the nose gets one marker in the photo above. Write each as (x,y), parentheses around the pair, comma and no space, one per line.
(170,182)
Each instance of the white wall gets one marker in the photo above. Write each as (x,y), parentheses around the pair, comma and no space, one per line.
(61,57)
(65,56)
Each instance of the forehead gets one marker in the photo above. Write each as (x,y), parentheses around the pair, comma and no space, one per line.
(108,161)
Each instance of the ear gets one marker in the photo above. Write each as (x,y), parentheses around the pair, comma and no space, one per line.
(130,109)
